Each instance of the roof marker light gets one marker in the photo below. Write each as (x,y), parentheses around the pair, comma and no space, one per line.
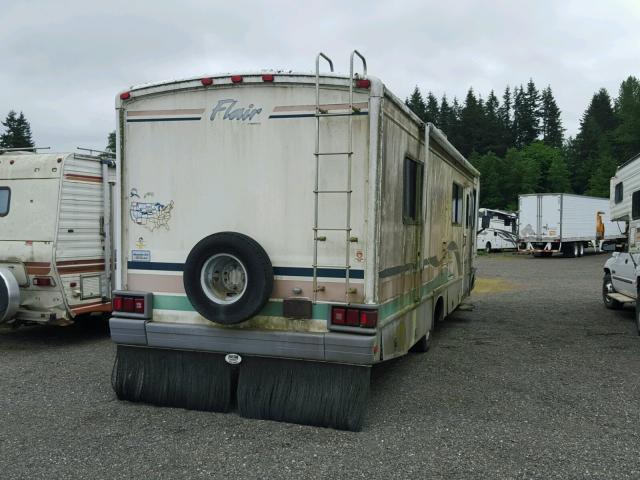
(236,78)
(267,77)
(206,81)
(363,83)
(125,96)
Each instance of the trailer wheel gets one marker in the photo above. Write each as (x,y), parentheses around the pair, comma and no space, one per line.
(228,277)
(487,247)
(570,250)
(581,249)
(607,288)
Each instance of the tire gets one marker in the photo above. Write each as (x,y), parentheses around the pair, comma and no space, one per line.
(9,295)
(607,287)
(637,315)
(487,247)
(228,277)
(571,250)
(424,343)
(581,249)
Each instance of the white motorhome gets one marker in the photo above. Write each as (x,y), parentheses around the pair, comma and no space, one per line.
(54,237)
(295,228)
(498,230)
(622,269)
(562,222)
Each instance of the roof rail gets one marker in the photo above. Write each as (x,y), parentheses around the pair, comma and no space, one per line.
(23,149)
(93,150)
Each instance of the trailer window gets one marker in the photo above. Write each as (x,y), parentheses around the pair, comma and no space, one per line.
(456,203)
(635,205)
(412,193)
(618,193)
(5,198)
(468,210)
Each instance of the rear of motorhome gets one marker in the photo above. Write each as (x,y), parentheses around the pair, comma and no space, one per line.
(564,223)
(55,245)
(288,230)
(498,230)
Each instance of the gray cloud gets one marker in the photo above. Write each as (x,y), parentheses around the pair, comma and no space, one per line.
(63,63)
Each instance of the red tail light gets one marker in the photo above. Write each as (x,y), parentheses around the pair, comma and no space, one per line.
(43,282)
(236,78)
(363,83)
(127,304)
(267,77)
(354,317)
(132,304)
(125,96)
(117,304)
(206,81)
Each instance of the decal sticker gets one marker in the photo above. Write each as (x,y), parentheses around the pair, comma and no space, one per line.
(150,215)
(231,113)
(359,256)
(140,243)
(140,255)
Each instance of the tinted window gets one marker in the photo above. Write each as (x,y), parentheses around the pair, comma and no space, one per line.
(635,205)
(618,193)
(5,198)
(412,193)
(456,203)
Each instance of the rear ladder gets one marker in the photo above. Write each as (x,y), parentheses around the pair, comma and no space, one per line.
(320,114)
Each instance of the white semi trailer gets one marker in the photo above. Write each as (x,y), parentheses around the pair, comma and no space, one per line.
(288,230)
(564,223)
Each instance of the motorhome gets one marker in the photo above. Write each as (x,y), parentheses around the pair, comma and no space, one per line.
(621,270)
(55,242)
(564,223)
(498,230)
(291,229)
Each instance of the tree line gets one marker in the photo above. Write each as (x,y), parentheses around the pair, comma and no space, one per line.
(518,142)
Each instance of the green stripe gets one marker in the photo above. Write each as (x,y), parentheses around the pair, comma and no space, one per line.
(271,309)
(406,300)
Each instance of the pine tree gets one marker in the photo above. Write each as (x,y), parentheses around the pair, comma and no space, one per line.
(445,121)
(558,178)
(111,142)
(519,114)
(493,132)
(416,103)
(506,123)
(551,123)
(627,112)
(471,123)
(432,111)
(18,132)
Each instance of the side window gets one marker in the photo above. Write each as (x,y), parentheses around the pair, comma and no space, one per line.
(468,211)
(412,192)
(618,193)
(507,222)
(635,205)
(456,204)
(5,199)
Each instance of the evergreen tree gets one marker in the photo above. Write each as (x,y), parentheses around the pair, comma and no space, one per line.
(551,128)
(558,178)
(416,103)
(472,124)
(493,136)
(432,111)
(506,123)
(627,112)
(18,132)
(111,142)
(519,120)
(445,121)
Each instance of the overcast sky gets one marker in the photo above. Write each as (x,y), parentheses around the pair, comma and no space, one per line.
(62,62)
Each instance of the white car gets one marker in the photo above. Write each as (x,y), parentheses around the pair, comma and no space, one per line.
(619,285)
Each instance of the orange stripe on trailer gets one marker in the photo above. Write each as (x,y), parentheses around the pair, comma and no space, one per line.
(37,268)
(80,262)
(181,111)
(87,269)
(83,178)
(91,307)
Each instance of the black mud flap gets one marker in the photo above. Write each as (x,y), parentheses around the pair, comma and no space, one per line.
(305,392)
(173,378)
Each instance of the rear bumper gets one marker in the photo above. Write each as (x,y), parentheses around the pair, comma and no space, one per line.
(327,347)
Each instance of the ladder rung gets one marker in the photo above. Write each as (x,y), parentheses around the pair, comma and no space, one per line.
(333,191)
(317,229)
(332,266)
(334,153)
(345,114)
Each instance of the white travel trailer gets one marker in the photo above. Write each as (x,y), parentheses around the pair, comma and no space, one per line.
(54,237)
(566,223)
(622,270)
(498,230)
(293,229)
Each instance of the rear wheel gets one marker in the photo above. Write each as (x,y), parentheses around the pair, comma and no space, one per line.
(487,247)
(581,249)
(570,250)
(607,288)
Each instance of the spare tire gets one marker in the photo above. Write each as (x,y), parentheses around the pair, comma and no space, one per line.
(228,277)
(9,295)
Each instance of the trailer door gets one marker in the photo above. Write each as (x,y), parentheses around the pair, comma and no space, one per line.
(549,212)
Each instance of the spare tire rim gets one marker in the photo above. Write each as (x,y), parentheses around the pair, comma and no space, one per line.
(223,279)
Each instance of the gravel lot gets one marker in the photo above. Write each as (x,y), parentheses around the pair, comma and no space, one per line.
(538,381)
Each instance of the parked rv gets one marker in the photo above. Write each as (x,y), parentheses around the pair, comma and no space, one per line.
(498,230)
(622,270)
(565,223)
(293,229)
(55,242)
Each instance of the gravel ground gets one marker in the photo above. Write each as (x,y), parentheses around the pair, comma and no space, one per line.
(538,381)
